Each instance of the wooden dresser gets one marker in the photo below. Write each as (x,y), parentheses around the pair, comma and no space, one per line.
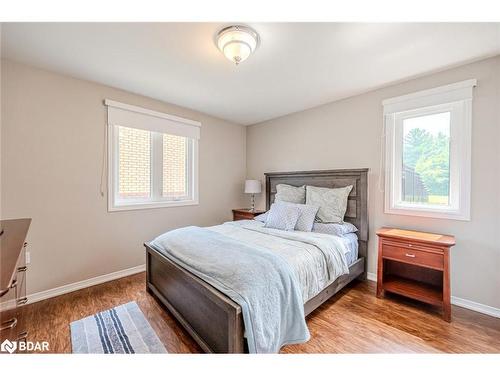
(245,214)
(13,279)
(416,265)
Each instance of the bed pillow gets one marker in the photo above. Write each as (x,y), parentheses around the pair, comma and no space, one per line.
(336,229)
(262,217)
(307,216)
(282,216)
(332,202)
(305,222)
(291,194)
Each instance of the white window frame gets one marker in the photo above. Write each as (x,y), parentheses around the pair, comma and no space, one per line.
(158,124)
(456,99)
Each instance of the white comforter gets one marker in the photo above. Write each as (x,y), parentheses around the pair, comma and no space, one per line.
(317,259)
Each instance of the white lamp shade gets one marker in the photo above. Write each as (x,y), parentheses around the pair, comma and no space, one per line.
(252,187)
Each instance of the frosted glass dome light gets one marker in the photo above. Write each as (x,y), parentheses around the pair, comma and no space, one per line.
(237,42)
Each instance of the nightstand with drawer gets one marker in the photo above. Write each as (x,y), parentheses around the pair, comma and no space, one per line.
(415,265)
(245,214)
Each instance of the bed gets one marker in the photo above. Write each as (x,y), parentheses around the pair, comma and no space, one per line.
(214,319)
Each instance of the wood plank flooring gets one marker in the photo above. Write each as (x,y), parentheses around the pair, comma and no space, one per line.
(353,321)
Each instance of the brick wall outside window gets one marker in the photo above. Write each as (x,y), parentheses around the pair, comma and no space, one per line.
(149,166)
(174,166)
(134,169)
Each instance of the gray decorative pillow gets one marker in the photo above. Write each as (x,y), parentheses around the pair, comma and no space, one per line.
(332,202)
(291,194)
(306,218)
(307,215)
(282,216)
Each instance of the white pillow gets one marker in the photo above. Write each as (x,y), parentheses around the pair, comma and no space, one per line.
(336,229)
(291,194)
(282,216)
(332,202)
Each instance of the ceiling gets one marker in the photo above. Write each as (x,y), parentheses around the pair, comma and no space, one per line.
(296,66)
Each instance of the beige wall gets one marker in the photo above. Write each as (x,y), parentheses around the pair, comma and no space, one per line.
(52,147)
(347,134)
(51,155)
(1,117)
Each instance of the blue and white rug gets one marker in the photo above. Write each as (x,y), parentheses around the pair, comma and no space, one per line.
(122,330)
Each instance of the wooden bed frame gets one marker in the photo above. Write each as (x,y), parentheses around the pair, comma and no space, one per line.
(213,319)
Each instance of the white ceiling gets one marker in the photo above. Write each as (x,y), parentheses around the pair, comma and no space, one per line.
(297,65)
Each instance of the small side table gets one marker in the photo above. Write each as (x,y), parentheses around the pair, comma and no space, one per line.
(245,214)
(415,265)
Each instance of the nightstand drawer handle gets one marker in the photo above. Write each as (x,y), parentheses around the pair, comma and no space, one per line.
(410,255)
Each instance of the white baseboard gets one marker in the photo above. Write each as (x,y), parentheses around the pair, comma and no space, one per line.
(461,302)
(35,297)
(475,306)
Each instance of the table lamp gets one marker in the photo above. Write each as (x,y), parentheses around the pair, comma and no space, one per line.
(253,187)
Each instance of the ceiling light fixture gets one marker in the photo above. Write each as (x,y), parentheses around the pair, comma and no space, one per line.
(237,42)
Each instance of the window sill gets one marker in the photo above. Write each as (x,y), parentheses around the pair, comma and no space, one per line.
(147,206)
(428,212)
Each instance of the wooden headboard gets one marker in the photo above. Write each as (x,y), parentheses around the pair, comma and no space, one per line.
(357,205)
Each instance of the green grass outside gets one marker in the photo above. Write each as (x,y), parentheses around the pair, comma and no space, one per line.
(438,199)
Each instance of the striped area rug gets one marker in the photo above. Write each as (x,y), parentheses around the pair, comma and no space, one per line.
(121,330)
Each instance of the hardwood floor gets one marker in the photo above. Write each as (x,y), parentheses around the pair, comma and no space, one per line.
(353,321)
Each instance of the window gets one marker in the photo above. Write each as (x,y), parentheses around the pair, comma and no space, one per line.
(175,162)
(152,159)
(428,151)
(134,163)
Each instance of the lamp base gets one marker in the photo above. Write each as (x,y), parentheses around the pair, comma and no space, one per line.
(253,203)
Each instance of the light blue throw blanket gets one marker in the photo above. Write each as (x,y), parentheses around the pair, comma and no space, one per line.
(261,282)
